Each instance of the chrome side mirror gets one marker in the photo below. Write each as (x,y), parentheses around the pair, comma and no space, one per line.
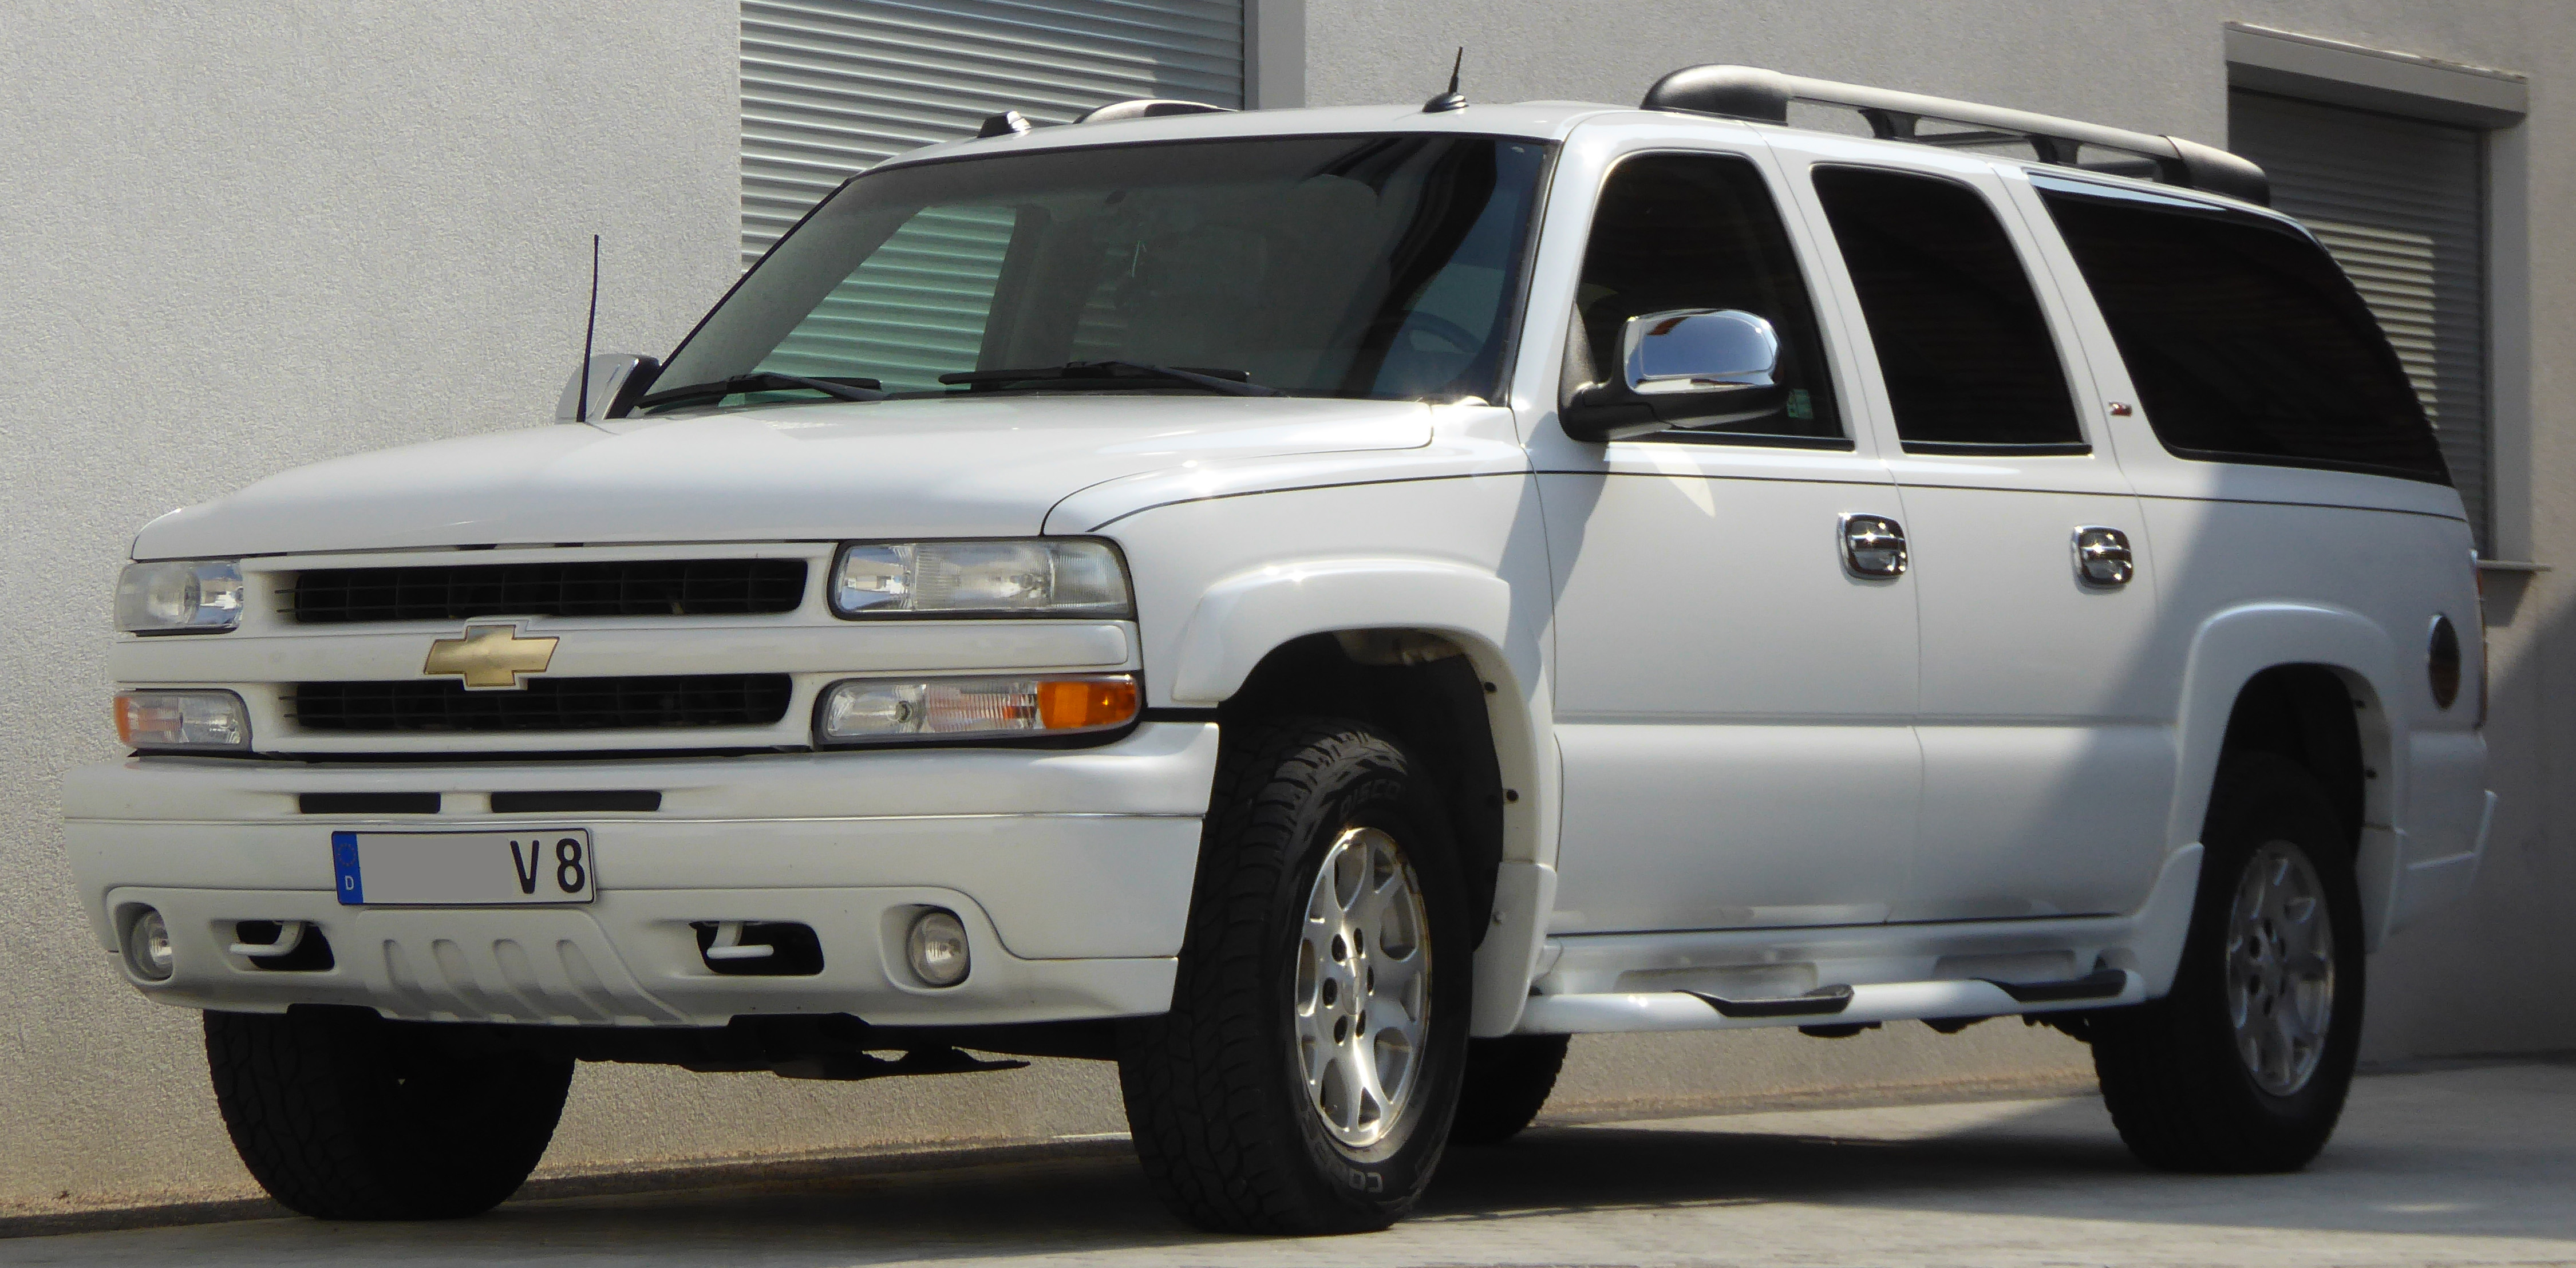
(1698,350)
(615,380)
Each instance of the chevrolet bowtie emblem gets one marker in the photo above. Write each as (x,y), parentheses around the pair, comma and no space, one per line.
(490,657)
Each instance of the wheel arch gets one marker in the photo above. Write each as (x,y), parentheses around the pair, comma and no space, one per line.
(1430,650)
(2313,684)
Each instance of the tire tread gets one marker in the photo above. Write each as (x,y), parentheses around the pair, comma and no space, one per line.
(2170,1078)
(1194,1079)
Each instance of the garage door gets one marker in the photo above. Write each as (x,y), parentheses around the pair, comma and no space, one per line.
(2400,203)
(831,86)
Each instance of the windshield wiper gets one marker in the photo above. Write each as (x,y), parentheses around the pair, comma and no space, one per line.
(1230,382)
(768,381)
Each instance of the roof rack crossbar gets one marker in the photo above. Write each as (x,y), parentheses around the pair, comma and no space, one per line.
(1763,96)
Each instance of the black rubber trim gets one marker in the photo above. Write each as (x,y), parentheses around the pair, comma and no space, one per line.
(1061,740)
(575,802)
(1177,714)
(368,803)
(2070,448)
(1824,1001)
(1740,439)
(2100,984)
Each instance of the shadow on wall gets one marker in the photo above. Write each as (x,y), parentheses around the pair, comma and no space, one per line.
(2497,972)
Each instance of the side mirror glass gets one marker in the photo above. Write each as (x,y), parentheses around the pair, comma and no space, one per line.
(1698,350)
(615,378)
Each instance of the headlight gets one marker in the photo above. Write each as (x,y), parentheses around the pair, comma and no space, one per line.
(202,597)
(182,719)
(877,709)
(1046,577)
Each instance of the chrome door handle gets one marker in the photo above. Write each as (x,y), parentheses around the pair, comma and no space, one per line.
(1873,547)
(2103,558)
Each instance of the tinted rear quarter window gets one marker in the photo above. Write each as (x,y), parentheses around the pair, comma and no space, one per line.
(1962,343)
(2246,343)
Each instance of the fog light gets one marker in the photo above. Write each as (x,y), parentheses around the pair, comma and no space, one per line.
(937,948)
(147,946)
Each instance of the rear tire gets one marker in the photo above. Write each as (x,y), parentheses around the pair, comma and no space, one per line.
(1508,1079)
(1304,1078)
(2276,942)
(340,1120)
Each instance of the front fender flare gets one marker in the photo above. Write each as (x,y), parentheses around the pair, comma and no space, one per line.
(1242,617)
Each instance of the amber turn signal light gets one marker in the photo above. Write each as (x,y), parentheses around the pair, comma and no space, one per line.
(1069,704)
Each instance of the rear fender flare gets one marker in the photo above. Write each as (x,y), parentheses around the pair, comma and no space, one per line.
(2234,645)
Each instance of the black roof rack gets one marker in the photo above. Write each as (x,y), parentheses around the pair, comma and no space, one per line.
(1147,108)
(1763,96)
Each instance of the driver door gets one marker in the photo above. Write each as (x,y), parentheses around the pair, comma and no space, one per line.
(1734,701)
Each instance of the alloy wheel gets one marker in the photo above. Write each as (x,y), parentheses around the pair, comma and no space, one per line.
(2280,968)
(1363,987)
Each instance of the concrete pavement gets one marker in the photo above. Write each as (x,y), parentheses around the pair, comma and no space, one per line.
(2466,1165)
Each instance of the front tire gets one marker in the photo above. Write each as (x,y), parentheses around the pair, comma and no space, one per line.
(2245,1065)
(340,1120)
(1304,1079)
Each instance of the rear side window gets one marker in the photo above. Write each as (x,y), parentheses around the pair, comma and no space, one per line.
(1962,344)
(2245,341)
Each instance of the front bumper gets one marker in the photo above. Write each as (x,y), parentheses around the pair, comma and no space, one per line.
(1070,868)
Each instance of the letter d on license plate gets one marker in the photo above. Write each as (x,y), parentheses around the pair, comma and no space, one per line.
(462,869)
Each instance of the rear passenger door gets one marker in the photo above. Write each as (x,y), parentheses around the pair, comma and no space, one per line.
(2046,762)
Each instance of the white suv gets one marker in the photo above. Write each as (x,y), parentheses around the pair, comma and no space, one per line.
(1318,606)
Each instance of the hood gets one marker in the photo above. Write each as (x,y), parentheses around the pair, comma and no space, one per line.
(948,467)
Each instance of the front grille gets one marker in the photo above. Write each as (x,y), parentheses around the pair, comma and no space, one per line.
(641,587)
(547,704)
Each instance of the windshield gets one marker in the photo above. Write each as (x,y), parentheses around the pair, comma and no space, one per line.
(1354,266)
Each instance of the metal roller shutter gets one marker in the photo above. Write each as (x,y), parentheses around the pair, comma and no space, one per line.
(831,86)
(2401,204)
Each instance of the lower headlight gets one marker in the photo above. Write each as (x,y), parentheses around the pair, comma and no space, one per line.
(183,720)
(864,710)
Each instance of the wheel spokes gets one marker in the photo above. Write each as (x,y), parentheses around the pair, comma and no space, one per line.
(2280,968)
(1358,1001)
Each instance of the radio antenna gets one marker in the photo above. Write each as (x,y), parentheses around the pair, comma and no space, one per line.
(1452,99)
(589,329)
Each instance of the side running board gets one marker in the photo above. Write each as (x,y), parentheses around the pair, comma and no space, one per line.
(1610,1012)
(1824,1001)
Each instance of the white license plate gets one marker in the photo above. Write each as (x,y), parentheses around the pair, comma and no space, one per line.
(462,869)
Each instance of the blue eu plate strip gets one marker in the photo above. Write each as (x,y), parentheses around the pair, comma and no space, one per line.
(344,856)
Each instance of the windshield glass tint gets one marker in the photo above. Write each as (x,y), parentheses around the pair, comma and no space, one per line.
(1371,266)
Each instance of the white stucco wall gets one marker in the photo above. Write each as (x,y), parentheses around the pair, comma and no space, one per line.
(237,238)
